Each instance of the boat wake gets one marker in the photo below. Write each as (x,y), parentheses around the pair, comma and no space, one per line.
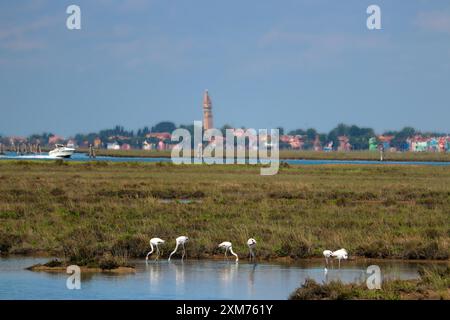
(31,157)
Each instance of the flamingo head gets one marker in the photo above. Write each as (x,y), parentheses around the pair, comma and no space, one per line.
(327,253)
(251,242)
(182,239)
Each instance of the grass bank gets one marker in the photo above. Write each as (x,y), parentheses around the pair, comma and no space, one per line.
(291,154)
(84,211)
(434,284)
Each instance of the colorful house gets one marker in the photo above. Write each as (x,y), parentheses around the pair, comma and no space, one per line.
(385,141)
(55,139)
(125,146)
(295,142)
(161,145)
(147,146)
(71,143)
(344,144)
(317,146)
(97,142)
(373,144)
(159,135)
(433,145)
(328,146)
(113,146)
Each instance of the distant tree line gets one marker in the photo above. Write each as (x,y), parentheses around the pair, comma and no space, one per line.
(358,136)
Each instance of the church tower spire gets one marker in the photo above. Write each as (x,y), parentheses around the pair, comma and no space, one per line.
(207,112)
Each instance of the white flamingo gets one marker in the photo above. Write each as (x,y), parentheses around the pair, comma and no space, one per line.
(180,241)
(340,254)
(327,254)
(227,245)
(251,243)
(154,242)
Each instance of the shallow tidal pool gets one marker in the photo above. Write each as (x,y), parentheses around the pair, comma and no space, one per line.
(191,279)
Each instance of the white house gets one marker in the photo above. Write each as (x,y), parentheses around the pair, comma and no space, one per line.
(113,146)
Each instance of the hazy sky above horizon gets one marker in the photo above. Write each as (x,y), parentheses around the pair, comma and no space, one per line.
(289,63)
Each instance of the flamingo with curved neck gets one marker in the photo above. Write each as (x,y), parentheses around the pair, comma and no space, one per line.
(228,246)
(154,242)
(182,240)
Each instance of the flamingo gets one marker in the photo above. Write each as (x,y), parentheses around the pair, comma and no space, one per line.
(227,245)
(340,254)
(180,241)
(251,243)
(154,242)
(327,254)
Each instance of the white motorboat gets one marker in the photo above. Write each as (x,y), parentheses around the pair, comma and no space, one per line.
(61,151)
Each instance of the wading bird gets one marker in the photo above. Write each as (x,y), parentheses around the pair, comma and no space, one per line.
(227,245)
(340,254)
(327,254)
(154,242)
(180,241)
(251,243)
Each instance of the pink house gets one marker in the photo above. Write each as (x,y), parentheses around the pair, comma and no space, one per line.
(125,146)
(55,139)
(344,144)
(159,135)
(161,145)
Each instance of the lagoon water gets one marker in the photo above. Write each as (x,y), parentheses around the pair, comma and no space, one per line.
(84,157)
(192,279)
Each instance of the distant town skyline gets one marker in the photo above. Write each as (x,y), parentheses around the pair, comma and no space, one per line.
(291,64)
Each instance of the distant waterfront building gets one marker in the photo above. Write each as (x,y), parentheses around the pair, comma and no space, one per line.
(385,141)
(97,142)
(161,145)
(373,144)
(294,142)
(54,139)
(125,146)
(71,144)
(328,147)
(159,135)
(344,143)
(207,112)
(113,146)
(146,146)
(317,146)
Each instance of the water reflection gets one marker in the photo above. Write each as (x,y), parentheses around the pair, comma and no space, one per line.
(84,157)
(343,275)
(228,272)
(154,273)
(191,279)
(251,279)
(178,267)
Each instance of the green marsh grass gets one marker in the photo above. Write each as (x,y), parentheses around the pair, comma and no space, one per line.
(85,211)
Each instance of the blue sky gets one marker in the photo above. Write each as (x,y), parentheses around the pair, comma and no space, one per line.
(294,64)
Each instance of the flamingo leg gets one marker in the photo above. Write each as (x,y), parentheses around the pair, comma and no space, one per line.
(184,252)
(252,254)
(150,252)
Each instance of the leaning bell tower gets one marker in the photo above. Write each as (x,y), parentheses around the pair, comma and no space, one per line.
(207,112)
